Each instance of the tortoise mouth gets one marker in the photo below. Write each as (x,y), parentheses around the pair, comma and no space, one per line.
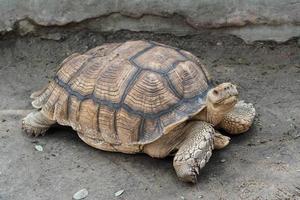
(232,99)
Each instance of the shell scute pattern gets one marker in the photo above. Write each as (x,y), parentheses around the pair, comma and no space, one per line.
(129,93)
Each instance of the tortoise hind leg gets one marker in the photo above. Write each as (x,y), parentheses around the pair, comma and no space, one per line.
(195,151)
(36,123)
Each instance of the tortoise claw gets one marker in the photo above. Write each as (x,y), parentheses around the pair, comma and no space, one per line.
(187,172)
(32,131)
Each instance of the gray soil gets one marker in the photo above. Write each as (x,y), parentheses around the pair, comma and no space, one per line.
(263,163)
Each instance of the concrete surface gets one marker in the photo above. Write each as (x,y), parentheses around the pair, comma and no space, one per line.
(263,163)
(249,19)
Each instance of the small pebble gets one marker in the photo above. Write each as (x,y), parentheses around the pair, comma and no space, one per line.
(52,36)
(222,160)
(262,141)
(298,170)
(219,43)
(38,147)
(81,194)
(119,193)
(182,197)
(296,136)
(200,196)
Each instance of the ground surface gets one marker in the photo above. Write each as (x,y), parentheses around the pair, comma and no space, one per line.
(251,20)
(263,163)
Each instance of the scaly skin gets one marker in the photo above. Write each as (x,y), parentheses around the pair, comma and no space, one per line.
(240,119)
(36,123)
(220,141)
(195,151)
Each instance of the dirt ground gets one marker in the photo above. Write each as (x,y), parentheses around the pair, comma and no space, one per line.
(263,163)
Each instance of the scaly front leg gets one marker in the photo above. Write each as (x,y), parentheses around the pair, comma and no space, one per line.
(220,141)
(240,119)
(195,150)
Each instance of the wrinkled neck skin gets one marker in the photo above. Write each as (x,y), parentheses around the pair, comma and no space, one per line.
(214,116)
(211,115)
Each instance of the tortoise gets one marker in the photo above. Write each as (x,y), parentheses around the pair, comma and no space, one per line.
(142,96)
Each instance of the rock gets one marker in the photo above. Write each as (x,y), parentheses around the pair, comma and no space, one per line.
(278,21)
(25,27)
(296,136)
(119,193)
(38,147)
(52,36)
(262,141)
(222,160)
(81,194)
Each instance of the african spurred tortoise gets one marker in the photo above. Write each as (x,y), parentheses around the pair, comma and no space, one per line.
(142,96)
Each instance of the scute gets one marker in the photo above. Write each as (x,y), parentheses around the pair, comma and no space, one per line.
(107,124)
(188,79)
(129,125)
(127,93)
(87,120)
(159,59)
(71,65)
(84,82)
(150,94)
(112,81)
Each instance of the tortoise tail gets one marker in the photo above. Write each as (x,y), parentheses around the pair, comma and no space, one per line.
(40,97)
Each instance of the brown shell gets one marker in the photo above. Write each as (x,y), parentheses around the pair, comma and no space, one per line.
(127,93)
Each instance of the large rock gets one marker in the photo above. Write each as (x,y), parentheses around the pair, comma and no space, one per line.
(249,19)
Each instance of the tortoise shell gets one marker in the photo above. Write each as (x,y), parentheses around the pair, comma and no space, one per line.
(127,93)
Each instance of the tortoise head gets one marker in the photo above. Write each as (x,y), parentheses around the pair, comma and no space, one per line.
(220,100)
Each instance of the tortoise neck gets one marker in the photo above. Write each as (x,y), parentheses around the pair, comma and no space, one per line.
(210,115)
(214,117)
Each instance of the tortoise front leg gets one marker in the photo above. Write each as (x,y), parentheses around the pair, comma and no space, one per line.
(36,123)
(220,141)
(194,151)
(240,119)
